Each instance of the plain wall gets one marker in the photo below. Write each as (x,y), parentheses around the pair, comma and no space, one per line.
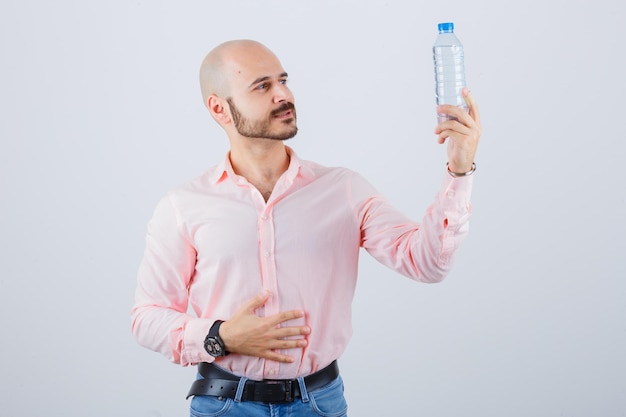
(101,114)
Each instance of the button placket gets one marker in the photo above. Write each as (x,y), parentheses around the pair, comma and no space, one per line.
(266,239)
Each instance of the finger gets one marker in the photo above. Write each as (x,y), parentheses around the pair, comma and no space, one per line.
(459,114)
(256,302)
(288,344)
(285,316)
(275,356)
(455,132)
(282,332)
(445,109)
(471,104)
(453,126)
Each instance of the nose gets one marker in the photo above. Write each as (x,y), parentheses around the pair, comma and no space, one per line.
(282,93)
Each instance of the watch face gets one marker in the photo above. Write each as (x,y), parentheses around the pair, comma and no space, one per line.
(213,347)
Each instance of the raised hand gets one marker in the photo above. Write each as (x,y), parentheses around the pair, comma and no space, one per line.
(462,133)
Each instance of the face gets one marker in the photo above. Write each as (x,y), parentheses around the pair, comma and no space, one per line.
(261,104)
(265,128)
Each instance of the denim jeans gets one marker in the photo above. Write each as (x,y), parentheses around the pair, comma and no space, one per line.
(327,401)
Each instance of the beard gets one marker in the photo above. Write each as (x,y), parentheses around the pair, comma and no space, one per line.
(261,128)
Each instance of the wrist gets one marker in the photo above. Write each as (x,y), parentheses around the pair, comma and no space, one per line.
(456,174)
(225,335)
(213,343)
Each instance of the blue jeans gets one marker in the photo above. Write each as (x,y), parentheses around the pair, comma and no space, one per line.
(327,401)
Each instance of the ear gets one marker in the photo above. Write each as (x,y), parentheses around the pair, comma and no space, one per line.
(218,109)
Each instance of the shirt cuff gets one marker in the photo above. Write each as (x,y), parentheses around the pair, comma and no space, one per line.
(193,350)
(455,192)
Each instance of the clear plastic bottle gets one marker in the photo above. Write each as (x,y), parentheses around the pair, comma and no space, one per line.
(449,69)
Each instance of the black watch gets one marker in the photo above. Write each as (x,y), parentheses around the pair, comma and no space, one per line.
(213,343)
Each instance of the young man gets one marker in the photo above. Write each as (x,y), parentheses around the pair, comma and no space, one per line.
(264,248)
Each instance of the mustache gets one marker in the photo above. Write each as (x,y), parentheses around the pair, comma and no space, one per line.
(283,107)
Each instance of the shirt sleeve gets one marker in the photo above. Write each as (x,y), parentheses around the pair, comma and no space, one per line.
(159,316)
(422,251)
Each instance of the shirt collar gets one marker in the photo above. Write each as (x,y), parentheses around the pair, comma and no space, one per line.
(297,167)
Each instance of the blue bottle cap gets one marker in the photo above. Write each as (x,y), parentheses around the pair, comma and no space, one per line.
(446,27)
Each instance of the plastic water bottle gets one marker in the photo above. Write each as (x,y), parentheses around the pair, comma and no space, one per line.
(449,69)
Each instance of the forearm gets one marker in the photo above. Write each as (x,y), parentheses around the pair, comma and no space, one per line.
(443,228)
(422,251)
(176,335)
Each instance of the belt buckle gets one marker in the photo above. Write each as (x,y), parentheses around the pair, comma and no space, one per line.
(278,390)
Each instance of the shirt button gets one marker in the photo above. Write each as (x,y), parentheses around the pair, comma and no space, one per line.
(266,254)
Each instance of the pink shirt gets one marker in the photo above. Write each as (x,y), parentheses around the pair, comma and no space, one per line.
(214,243)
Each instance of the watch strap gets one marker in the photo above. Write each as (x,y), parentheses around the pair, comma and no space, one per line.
(214,338)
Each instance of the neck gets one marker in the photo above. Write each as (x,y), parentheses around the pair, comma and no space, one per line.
(261,162)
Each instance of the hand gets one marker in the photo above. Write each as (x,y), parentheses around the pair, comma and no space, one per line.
(462,134)
(248,334)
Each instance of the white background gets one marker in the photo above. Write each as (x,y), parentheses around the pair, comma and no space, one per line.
(101,114)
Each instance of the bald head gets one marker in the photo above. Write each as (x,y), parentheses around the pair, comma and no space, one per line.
(225,62)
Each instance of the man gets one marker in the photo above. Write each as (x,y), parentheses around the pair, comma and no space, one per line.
(264,248)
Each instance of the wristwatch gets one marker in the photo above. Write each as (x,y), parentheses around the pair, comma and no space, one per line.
(213,343)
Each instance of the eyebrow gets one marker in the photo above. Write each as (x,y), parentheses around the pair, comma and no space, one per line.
(265,78)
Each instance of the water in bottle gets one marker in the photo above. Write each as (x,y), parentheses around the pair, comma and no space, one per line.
(449,69)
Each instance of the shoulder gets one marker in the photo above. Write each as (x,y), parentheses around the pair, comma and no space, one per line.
(322,171)
(340,179)
(199,184)
(186,193)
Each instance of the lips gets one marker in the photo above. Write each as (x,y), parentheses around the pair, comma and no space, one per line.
(286,110)
(283,115)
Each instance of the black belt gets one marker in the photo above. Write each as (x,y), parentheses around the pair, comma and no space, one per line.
(220,383)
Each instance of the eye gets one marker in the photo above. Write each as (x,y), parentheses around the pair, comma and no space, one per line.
(262,86)
(283,81)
